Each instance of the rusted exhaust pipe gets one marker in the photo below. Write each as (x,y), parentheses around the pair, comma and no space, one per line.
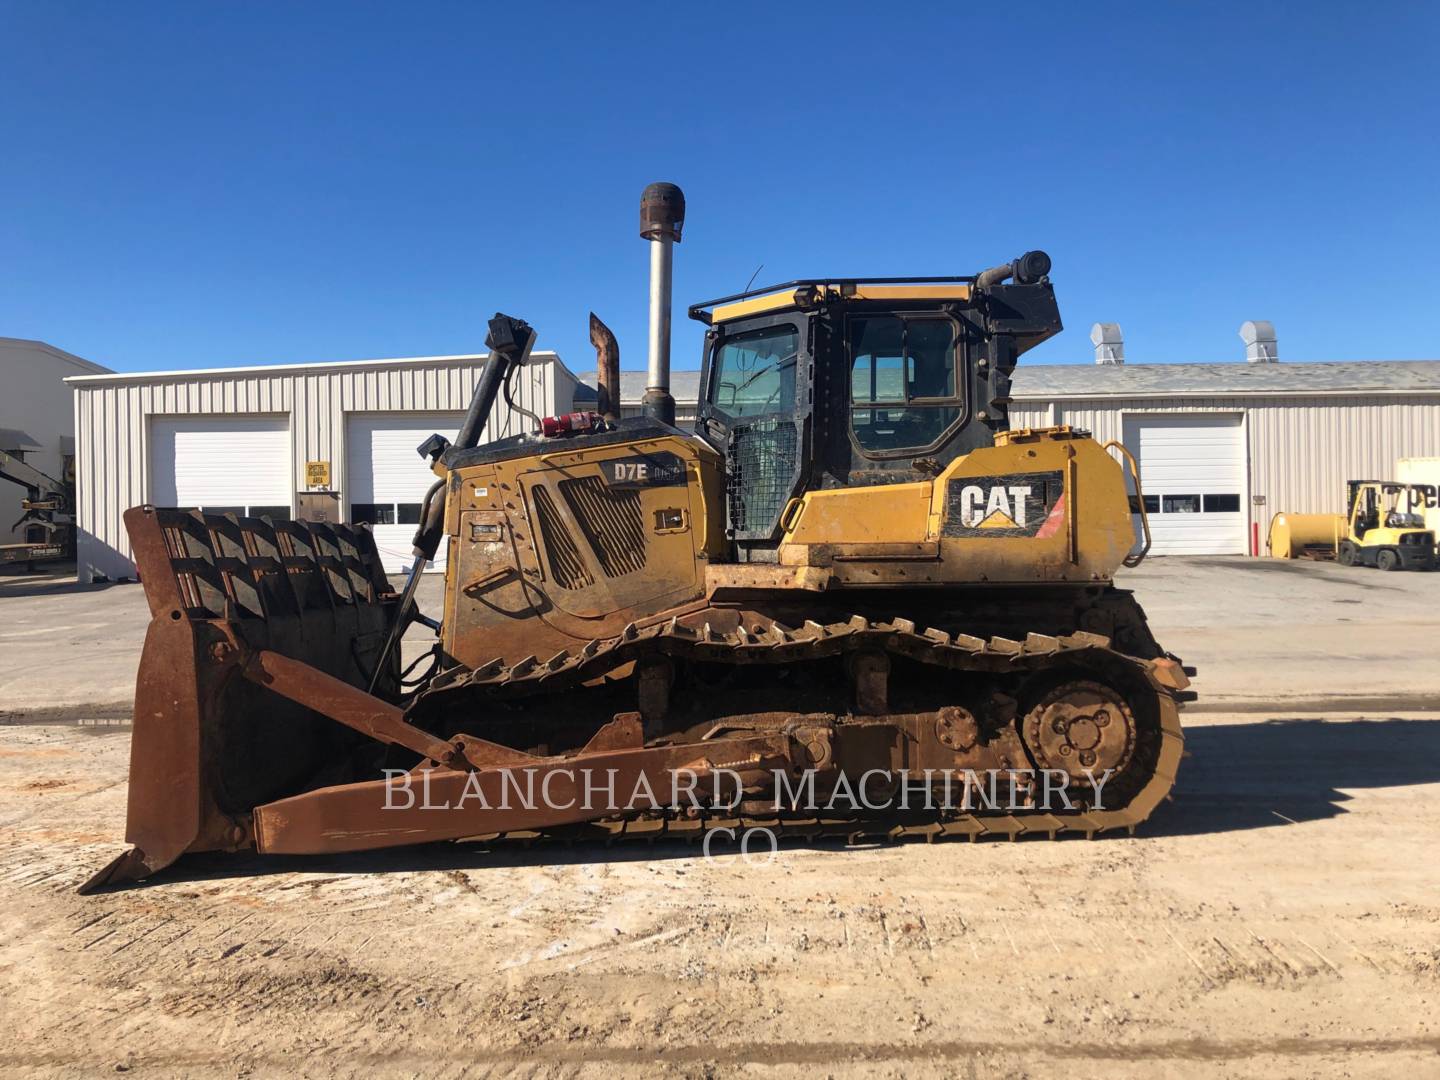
(662,215)
(607,368)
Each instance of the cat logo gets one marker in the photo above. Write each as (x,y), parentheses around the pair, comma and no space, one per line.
(1018,504)
(1002,508)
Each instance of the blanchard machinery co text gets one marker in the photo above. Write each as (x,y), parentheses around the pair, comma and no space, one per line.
(600,790)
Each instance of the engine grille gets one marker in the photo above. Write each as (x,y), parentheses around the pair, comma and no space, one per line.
(567,569)
(612,521)
(762,460)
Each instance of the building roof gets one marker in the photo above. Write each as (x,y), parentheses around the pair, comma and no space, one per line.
(538,356)
(684,386)
(1042,382)
(14,439)
(59,354)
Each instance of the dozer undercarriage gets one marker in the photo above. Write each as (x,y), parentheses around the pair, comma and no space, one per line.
(908,631)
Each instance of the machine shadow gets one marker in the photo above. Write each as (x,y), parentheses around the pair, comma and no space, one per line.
(1265,774)
(1278,772)
(17,583)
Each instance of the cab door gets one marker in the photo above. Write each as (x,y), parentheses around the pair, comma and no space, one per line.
(755,406)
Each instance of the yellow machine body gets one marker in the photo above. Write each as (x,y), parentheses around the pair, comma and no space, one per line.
(550,551)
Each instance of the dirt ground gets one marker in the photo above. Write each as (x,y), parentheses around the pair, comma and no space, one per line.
(1281,916)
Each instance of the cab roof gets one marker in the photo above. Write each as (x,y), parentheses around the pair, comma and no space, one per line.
(806,292)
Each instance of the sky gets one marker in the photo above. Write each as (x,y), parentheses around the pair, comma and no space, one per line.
(213,184)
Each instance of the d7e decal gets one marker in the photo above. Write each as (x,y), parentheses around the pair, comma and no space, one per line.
(645,470)
(1015,504)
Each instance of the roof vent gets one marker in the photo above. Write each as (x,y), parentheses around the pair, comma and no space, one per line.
(1109,344)
(1259,338)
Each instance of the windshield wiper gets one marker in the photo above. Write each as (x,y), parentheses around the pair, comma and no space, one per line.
(765,371)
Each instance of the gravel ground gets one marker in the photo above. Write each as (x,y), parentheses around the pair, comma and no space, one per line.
(1282,915)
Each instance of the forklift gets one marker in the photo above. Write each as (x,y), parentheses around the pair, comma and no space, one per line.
(1385,526)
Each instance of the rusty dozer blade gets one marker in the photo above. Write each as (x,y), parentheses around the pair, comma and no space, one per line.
(252,728)
(209,744)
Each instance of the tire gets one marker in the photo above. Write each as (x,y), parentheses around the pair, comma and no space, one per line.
(1346,557)
(1387,559)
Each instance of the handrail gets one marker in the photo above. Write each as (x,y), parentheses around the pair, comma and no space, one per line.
(1134,559)
(790,515)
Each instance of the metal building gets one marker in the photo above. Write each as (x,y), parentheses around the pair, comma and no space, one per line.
(1222,447)
(328,441)
(684,388)
(36,419)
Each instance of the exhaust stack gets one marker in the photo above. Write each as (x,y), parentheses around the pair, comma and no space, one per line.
(607,368)
(662,215)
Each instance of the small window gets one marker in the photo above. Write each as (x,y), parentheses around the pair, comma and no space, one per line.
(407,514)
(1180,504)
(1222,504)
(275,513)
(372,513)
(903,382)
(896,429)
(755,372)
(1152,504)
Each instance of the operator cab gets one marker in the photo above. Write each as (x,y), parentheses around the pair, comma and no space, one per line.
(851,383)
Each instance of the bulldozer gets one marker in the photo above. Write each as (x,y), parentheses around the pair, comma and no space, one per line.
(853,602)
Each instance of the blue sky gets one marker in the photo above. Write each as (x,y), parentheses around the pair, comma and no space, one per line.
(195,185)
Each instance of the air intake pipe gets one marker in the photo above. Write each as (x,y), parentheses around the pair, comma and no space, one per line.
(1028,269)
(662,216)
(510,341)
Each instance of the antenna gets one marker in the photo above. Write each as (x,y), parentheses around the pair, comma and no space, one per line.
(753,277)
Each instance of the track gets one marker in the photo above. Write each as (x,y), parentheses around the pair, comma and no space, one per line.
(760,640)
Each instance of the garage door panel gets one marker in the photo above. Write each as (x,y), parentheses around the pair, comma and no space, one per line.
(387,479)
(221,463)
(1192,467)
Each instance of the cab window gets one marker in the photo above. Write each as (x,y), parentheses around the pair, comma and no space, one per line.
(904,383)
(755,372)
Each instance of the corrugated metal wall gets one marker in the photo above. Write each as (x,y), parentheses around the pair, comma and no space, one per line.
(1301,450)
(685,413)
(112,425)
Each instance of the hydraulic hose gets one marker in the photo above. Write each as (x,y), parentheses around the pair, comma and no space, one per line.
(432,523)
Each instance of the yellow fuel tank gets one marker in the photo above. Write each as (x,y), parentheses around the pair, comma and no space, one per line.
(1295,536)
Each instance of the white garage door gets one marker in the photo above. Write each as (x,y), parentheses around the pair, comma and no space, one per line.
(222,464)
(388,479)
(1192,467)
